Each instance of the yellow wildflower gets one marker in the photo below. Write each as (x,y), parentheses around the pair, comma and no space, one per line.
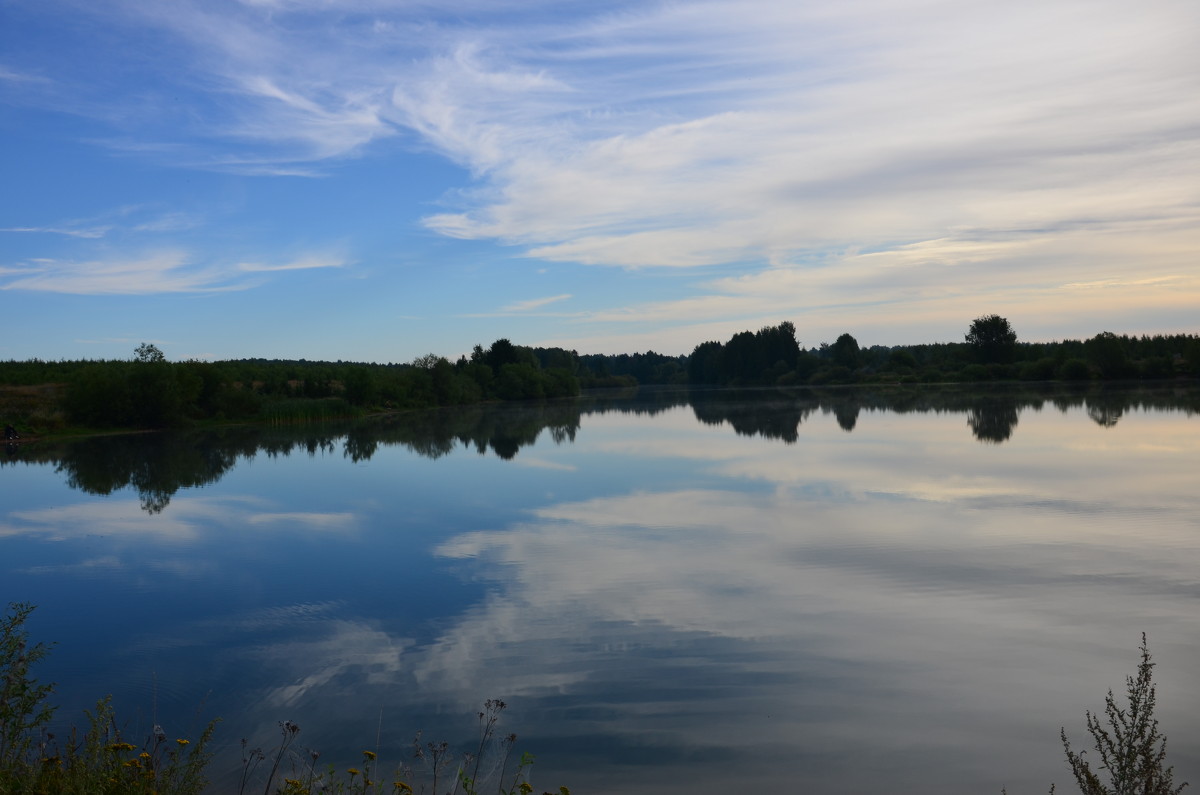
(353,772)
(182,741)
(370,755)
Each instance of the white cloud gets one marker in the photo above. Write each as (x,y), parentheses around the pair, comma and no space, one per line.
(535,303)
(161,272)
(115,220)
(857,154)
(304,263)
(168,271)
(84,232)
(12,76)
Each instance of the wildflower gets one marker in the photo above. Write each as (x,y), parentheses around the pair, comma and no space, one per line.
(369,755)
(182,741)
(144,755)
(402,788)
(353,772)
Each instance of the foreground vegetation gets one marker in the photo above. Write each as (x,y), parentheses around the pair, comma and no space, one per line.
(105,759)
(1130,751)
(149,392)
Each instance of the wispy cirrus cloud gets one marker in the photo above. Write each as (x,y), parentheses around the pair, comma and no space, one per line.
(12,76)
(303,263)
(535,303)
(91,232)
(923,157)
(157,272)
(128,219)
(161,272)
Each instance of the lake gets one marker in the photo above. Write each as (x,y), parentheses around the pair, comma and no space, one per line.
(717,591)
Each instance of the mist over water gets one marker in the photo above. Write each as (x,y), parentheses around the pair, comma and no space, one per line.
(707,591)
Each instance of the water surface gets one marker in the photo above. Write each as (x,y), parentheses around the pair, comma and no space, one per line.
(715,591)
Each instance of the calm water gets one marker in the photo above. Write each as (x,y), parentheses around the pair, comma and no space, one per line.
(719,592)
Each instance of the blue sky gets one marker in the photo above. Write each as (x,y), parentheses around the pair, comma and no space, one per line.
(371,180)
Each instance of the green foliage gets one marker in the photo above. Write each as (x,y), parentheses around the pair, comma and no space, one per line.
(1130,750)
(845,352)
(23,707)
(307,410)
(1110,354)
(630,369)
(1191,356)
(974,372)
(148,353)
(992,339)
(1075,370)
(102,761)
(150,392)
(97,762)
(436,767)
(1042,369)
(761,357)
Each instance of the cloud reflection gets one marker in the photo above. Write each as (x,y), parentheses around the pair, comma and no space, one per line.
(898,604)
(889,620)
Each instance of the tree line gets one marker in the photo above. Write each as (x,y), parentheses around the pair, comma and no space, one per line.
(990,351)
(148,391)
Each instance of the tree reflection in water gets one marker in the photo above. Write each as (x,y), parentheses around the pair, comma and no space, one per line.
(157,465)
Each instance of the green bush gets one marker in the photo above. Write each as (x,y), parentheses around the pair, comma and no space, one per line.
(1075,370)
(974,372)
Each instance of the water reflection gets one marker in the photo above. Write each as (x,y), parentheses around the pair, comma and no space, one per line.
(877,603)
(993,421)
(158,465)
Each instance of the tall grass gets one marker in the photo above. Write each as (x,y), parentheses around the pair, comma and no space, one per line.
(301,410)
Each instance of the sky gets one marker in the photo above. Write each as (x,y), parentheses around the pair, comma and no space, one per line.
(372,180)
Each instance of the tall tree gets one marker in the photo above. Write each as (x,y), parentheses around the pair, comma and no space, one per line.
(146,352)
(845,351)
(993,339)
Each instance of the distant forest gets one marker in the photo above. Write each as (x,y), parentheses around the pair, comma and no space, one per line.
(147,391)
